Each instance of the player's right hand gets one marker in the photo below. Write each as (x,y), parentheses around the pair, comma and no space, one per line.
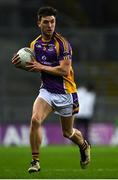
(16,61)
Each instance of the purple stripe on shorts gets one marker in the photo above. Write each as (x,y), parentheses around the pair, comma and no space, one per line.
(75,103)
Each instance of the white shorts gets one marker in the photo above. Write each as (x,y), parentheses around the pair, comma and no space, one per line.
(63,104)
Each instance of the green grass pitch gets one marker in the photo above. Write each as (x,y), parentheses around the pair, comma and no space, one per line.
(59,162)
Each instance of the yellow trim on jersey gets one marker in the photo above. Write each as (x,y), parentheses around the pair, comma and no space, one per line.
(64,41)
(33,42)
(69,83)
(57,46)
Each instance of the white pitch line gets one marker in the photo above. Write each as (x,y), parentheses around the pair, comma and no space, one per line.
(76,170)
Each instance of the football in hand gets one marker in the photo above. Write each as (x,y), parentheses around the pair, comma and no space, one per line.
(26,55)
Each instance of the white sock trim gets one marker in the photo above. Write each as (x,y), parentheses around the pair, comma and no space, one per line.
(72,133)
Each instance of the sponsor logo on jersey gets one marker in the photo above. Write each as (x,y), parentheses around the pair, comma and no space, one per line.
(43,58)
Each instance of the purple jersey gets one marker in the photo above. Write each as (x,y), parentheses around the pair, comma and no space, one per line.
(50,54)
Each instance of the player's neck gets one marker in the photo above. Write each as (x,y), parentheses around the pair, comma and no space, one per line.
(46,38)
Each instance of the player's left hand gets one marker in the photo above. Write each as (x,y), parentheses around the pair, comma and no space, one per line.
(34,66)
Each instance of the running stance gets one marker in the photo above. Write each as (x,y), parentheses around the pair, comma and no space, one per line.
(58,91)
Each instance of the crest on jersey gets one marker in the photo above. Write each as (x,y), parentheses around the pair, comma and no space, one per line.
(51,47)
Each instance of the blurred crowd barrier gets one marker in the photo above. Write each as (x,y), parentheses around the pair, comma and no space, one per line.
(18,134)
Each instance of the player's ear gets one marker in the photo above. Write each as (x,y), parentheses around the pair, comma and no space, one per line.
(39,23)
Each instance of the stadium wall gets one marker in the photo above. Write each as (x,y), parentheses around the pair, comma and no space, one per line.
(18,135)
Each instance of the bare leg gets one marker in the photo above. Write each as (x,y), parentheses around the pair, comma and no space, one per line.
(73,134)
(35,140)
(41,109)
(76,136)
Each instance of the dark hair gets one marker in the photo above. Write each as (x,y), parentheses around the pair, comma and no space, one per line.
(46,11)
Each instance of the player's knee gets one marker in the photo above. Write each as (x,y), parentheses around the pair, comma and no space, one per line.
(67,133)
(35,121)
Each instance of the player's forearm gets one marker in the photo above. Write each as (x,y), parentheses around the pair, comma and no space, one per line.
(58,70)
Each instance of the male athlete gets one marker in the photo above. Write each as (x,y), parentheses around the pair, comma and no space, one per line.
(58,93)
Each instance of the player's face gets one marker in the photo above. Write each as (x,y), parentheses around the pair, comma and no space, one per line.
(47,25)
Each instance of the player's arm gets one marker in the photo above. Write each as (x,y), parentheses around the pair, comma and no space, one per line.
(63,69)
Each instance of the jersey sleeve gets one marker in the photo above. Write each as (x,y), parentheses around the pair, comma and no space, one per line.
(65,51)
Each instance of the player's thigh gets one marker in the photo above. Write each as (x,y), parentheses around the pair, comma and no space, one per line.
(41,109)
(67,123)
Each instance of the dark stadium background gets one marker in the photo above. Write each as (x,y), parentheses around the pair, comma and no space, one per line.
(92,28)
